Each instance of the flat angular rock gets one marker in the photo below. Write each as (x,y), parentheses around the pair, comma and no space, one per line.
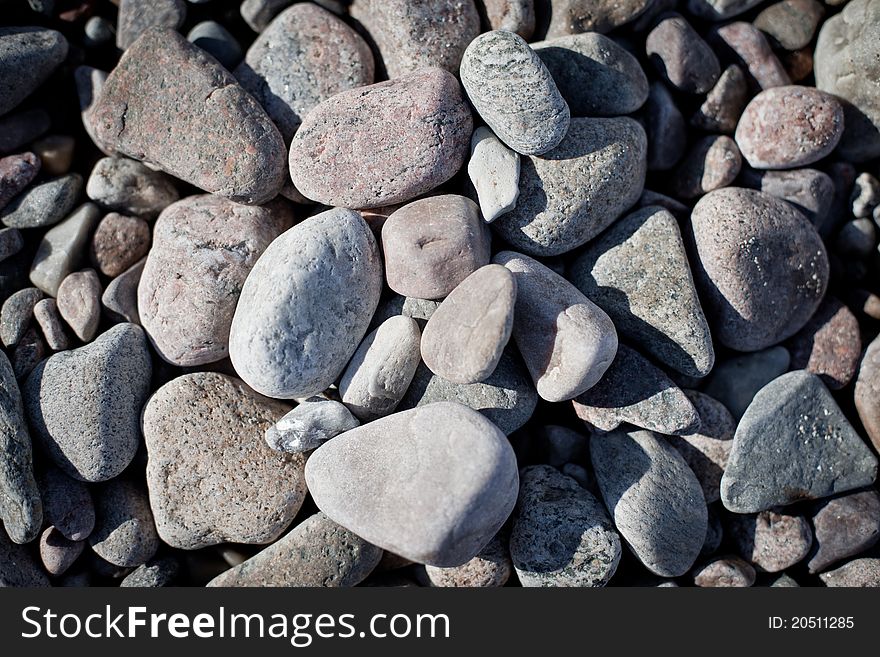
(20,507)
(169,104)
(412,36)
(43,205)
(155,573)
(856,573)
(136,16)
(313,422)
(491,567)
(654,499)
(129,187)
(28,55)
(84,405)
(735,381)
(494,172)
(514,93)
(844,527)
(317,552)
(770,541)
(605,158)
(638,273)
(62,248)
(760,264)
(465,337)
(380,371)
(829,345)
(445,478)
(636,392)
(793,444)
(211,475)
(120,297)
(203,249)
(67,504)
(562,535)
(305,56)
(595,76)
(125,534)
(292,335)
(383,144)
(566,341)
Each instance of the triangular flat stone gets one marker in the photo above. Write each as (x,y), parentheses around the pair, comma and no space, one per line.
(638,273)
(636,392)
(793,443)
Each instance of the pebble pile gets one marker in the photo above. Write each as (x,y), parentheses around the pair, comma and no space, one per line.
(443,293)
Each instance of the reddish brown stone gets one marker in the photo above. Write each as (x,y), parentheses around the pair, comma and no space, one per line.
(829,345)
(119,242)
(749,46)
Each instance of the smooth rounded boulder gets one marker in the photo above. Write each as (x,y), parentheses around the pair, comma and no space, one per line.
(433,484)
(306,305)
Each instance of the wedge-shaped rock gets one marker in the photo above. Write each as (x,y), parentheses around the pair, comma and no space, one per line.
(654,498)
(793,444)
(638,273)
(636,392)
(306,305)
(170,104)
(28,55)
(433,484)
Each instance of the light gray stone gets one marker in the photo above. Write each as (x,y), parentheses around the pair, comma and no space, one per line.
(16,315)
(130,187)
(313,422)
(63,248)
(43,205)
(79,303)
(494,172)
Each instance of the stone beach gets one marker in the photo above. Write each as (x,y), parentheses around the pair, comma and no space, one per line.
(441,293)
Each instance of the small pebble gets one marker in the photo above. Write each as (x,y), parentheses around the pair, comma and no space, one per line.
(770,541)
(446,477)
(725,572)
(316,553)
(47,316)
(67,504)
(118,242)
(634,391)
(62,248)
(654,499)
(576,16)
(857,573)
(829,345)
(746,45)
(494,172)
(16,315)
(120,296)
(98,31)
(665,129)
(216,40)
(491,568)
(716,10)
(58,553)
(791,23)
(155,573)
(808,190)
(735,381)
(313,422)
(865,195)
(784,581)
(724,103)
(566,341)
(259,13)
(43,205)
(844,527)
(29,352)
(130,188)
(55,153)
(28,56)
(511,15)
(16,173)
(136,16)
(711,163)
(681,56)
(794,443)
(125,534)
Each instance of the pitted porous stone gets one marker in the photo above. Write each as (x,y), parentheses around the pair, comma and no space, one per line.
(211,475)
(170,104)
(129,187)
(863,572)
(654,499)
(793,444)
(125,534)
(605,159)
(16,315)
(562,535)
(18,569)
(514,92)
(830,344)
(383,144)
(433,484)
(203,249)
(28,55)
(119,242)
(306,305)
(490,568)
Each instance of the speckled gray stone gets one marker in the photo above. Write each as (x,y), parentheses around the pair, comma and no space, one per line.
(654,499)
(18,569)
(211,475)
(63,248)
(45,204)
(16,173)
(784,581)
(415,35)
(380,371)
(576,16)
(507,397)
(58,553)
(846,64)
(67,504)
(16,315)
(637,271)
(383,144)
(605,159)
(79,303)
(724,103)
(735,381)
(84,405)
(760,265)
(770,541)
(491,567)
(494,172)
(844,527)
(216,40)
(136,16)
(170,104)
(595,76)
(120,296)
(303,57)
(292,335)
(28,55)
(314,421)
(129,187)
(707,449)
(681,56)
(125,534)
(792,444)
(665,128)
(433,484)
(465,337)
(316,553)
(863,572)
(514,93)
(567,342)
(154,573)
(636,392)
(20,507)
(562,535)
(808,190)
(726,572)
(204,247)
(47,316)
